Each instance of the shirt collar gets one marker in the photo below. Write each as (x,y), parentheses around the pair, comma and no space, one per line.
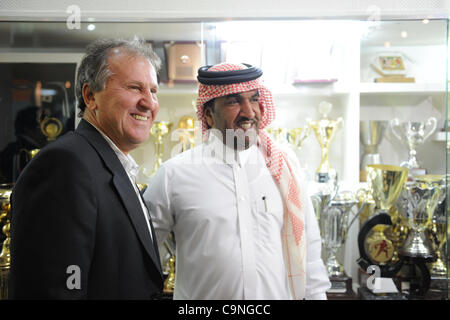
(127,161)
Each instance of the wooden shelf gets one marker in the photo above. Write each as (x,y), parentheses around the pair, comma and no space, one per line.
(402,88)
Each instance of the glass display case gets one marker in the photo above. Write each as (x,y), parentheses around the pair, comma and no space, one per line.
(357,101)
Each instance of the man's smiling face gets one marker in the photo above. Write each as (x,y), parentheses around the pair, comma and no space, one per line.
(236,112)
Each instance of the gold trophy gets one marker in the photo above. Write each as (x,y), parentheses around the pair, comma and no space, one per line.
(278,134)
(159,130)
(51,127)
(5,219)
(385,183)
(169,266)
(324,130)
(437,230)
(296,136)
(186,129)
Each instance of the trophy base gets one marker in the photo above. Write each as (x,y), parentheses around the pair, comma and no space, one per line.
(322,177)
(438,283)
(415,277)
(412,291)
(364,293)
(327,177)
(394,78)
(439,289)
(166,296)
(341,289)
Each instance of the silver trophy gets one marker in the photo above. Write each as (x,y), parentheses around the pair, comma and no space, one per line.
(416,204)
(334,225)
(413,133)
(324,193)
(371,134)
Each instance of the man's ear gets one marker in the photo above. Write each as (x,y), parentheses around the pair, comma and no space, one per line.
(209,117)
(88,97)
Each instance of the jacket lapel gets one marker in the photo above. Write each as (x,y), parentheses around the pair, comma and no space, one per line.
(124,188)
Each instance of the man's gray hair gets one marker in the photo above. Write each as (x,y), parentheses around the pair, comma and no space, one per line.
(94,69)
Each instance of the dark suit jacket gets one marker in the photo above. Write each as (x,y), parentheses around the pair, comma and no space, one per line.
(75,205)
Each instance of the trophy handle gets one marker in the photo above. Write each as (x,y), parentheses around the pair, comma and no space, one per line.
(431,123)
(394,123)
(306,132)
(364,261)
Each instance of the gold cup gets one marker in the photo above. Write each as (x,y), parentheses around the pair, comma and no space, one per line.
(278,134)
(296,136)
(169,266)
(5,256)
(159,130)
(186,129)
(324,130)
(385,184)
(438,235)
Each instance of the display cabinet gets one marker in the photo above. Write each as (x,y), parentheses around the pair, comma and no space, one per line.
(369,73)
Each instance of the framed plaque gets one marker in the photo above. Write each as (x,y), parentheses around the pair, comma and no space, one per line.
(392,67)
(183,61)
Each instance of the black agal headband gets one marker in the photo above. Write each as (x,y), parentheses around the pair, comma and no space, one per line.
(228,77)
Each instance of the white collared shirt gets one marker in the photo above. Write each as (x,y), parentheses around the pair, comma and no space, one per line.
(132,170)
(227,218)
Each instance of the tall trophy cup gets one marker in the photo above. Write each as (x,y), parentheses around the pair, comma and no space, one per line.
(417,203)
(169,266)
(371,134)
(437,229)
(5,258)
(158,131)
(437,232)
(333,223)
(325,130)
(324,193)
(413,134)
(385,183)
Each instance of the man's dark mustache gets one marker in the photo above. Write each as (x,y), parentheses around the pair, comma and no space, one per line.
(245,119)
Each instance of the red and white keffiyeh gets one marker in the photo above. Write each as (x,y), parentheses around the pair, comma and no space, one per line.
(294,241)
